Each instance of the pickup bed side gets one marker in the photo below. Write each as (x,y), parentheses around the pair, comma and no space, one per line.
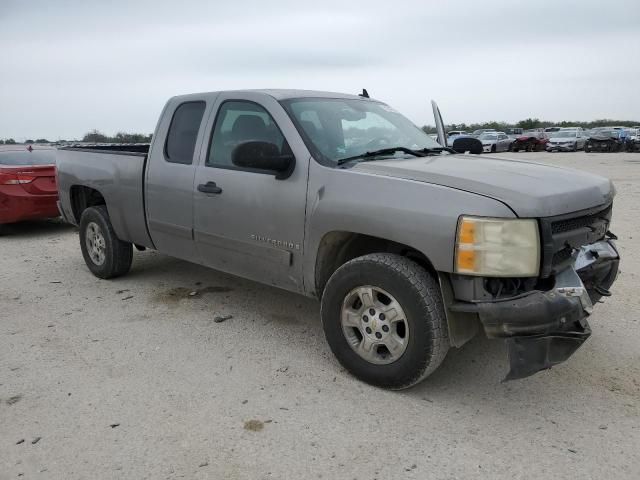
(110,176)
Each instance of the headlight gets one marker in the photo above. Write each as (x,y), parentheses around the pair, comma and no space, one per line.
(495,247)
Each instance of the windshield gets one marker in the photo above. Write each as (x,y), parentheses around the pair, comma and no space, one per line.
(36,157)
(488,136)
(334,129)
(606,133)
(564,134)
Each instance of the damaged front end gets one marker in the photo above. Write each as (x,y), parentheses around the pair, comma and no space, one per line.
(544,328)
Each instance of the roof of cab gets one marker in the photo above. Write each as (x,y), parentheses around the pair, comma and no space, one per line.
(285,94)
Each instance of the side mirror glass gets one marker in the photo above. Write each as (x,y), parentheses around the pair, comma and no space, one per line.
(263,156)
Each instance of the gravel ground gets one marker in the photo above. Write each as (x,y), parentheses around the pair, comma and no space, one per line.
(133,378)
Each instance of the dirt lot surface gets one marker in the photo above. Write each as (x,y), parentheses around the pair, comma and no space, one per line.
(133,378)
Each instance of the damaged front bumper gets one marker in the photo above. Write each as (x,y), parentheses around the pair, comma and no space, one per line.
(544,328)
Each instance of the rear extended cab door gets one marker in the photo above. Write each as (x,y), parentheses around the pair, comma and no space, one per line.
(170,174)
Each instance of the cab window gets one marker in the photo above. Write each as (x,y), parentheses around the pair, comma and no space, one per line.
(183,132)
(240,122)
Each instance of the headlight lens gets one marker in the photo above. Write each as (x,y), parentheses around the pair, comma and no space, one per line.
(495,247)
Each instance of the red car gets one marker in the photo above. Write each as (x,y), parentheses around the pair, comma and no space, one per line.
(531,141)
(28,188)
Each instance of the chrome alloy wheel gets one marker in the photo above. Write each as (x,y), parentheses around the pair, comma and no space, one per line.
(374,325)
(95,243)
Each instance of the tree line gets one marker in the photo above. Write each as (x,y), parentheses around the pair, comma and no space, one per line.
(529,123)
(94,136)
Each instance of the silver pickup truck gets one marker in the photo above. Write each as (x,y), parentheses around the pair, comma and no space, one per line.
(410,247)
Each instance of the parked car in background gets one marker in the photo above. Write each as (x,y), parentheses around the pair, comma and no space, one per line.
(27,185)
(454,133)
(514,133)
(604,140)
(495,142)
(530,141)
(552,129)
(566,140)
(633,140)
(480,131)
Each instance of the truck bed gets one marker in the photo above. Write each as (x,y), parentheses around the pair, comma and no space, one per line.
(115,172)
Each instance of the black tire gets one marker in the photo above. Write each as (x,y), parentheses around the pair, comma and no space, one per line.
(118,255)
(575,147)
(493,149)
(587,148)
(419,296)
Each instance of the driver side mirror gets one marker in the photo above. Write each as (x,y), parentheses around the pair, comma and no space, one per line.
(264,156)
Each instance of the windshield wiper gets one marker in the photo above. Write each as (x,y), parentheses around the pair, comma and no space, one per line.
(386,151)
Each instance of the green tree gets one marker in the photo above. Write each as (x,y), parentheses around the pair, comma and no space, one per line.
(28,142)
(95,136)
(529,123)
(42,140)
(10,141)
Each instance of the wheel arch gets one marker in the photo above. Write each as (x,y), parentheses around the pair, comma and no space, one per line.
(82,197)
(338,247)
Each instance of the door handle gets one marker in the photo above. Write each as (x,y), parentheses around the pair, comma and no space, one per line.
(209,187)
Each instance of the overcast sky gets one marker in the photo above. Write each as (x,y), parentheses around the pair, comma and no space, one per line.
(70,66)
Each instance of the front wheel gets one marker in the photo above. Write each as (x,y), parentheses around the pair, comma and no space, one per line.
(104,253)
(384,320)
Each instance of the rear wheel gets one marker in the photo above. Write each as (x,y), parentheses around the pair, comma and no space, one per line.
(104,253)
(384,320)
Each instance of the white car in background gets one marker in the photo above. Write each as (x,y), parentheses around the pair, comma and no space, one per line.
(493,142)
(567,140)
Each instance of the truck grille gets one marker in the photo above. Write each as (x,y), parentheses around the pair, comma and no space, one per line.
(563,234)
(587,221)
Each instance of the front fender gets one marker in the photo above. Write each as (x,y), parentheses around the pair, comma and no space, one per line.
(420,215)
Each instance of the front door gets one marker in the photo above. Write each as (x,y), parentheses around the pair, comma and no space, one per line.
(246,221)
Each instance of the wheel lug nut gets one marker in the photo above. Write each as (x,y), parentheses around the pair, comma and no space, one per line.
(378,335)
(368,330)
(365,319)
(382,316)
(372,311)
(385,328)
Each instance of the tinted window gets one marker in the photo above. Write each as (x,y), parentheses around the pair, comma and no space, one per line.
(240,122)
(36,157)
(181,139)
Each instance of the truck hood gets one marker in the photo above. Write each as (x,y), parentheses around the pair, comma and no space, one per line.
(529,189)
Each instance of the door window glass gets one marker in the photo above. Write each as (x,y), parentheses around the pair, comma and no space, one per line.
(240,122)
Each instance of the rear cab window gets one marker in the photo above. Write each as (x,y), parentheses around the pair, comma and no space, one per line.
(183,132)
